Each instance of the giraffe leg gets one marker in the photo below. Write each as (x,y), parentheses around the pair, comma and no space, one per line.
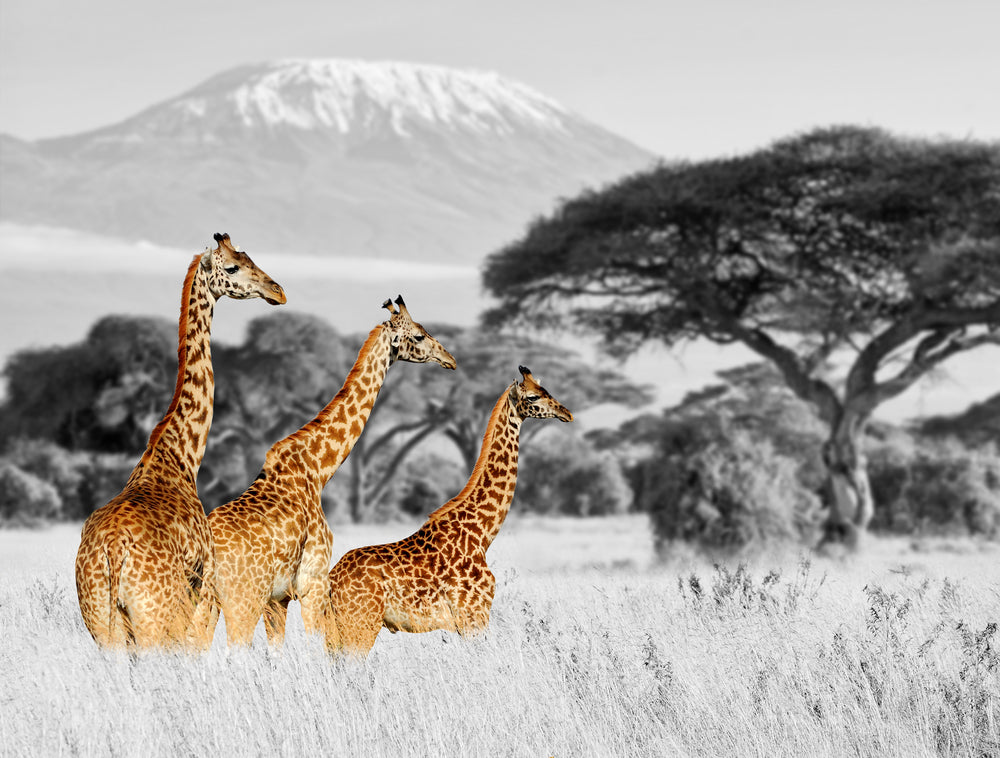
(275,615)
(159,614)
(205,619)
(473,620)
(471,599)
(161,619)
(240,625)
(242,601)
(205,613)
(357,632)
(356,615)
(314,603)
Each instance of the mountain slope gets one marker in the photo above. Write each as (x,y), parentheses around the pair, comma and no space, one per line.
(322,157)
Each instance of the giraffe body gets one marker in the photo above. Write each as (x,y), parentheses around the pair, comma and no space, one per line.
(273,544)
(146,556)
(438,577)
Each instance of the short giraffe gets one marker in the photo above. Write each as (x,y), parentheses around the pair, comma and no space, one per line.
(144,556)
(437,578)
(272,544)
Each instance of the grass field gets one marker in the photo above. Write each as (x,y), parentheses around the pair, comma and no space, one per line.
(594,649)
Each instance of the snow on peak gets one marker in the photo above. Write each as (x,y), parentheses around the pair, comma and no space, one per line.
(348,94)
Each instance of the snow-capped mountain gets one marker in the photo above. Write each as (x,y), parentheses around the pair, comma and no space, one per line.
(324,157)
(355,97)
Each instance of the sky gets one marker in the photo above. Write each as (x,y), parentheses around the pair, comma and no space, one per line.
(684,80)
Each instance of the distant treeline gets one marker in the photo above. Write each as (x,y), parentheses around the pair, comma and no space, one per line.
(733,465)
(77,417)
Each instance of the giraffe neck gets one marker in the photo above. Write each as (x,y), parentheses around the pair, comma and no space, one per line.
(177,444)
(481,507)
(324,443)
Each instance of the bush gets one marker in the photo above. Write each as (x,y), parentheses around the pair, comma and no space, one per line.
(65,470)
(570,478)
(82,481)
(24,498)
(946,489)
(729,493)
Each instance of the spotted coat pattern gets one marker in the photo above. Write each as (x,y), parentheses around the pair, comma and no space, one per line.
(438,578)
(146,556)
(273,544)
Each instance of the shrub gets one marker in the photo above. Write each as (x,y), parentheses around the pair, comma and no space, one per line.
(943,489)
(25,498)
(728,493)
(570,478)
(66,470)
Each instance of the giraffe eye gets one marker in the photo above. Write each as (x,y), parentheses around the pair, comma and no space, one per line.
(418,338)
(533,398)
(231,269)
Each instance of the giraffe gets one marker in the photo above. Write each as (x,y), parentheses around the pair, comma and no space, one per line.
(437,578)
(272,543)
(145,556)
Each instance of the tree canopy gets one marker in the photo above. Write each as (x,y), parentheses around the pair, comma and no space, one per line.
(104,393)
(842,241)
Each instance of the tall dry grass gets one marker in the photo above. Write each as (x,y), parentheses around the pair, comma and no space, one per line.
(593,650)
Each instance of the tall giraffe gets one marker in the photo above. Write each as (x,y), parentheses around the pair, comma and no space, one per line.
(272,544)
(144,557)
(437,578)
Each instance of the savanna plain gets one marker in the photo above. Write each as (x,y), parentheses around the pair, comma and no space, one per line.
(595,648)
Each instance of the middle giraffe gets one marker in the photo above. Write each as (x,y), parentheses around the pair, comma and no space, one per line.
(437,578)
(273,544)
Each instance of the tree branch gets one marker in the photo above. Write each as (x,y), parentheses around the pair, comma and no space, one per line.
(394,431)
(932,350)
(861,380)
(810,389)
(395,463)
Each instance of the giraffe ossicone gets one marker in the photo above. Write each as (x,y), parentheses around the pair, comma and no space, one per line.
(146,557)
(438,578)
(272,543)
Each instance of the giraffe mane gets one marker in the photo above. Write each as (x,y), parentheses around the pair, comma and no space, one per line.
(157,432)
(484,453)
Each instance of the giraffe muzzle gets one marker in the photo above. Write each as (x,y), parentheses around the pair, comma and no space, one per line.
(448,360)
(563,414)
(278,295)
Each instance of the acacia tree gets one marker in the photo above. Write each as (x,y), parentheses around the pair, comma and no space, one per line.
(843,243)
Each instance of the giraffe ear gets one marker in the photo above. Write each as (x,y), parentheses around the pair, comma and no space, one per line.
(224,243)
(402,307)
(525,372)
(388,306)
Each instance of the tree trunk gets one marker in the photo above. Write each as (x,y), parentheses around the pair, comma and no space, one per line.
(847,490)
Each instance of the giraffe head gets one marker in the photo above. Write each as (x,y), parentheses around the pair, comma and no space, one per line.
(533,401)
(233,274)
(410,341)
